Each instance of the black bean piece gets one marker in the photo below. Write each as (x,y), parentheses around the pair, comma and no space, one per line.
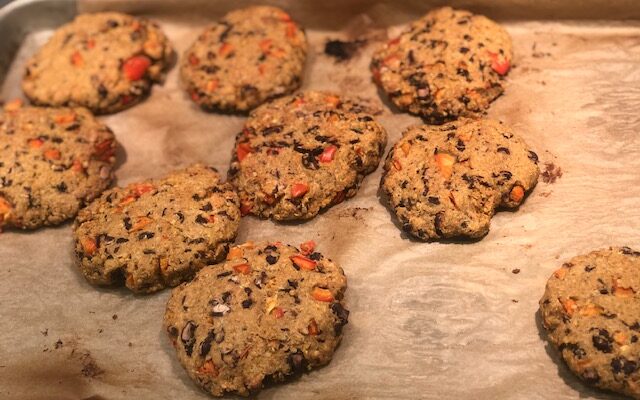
(297,362)
(603,341)
(621,364)
(188,337)
(343,317)
(61,187)
(271,259)
(205,346)
(146,235)
(102,91)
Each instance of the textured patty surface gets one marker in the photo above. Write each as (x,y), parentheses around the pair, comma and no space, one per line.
(302,153)
(268,312)
(447,64)
(448,180)
(249,56)
(591,310)
(52,161)
(105,62)
(159,232)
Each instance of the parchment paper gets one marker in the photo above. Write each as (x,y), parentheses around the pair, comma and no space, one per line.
(428,320)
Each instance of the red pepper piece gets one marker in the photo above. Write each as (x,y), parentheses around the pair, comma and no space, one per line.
(35,143)
(135,67)
(142,188)
(52,154)
(501,67)
(278,312)
(243,150)
(321,294)
(328,154)
(89,245)
(299,189)
(303,262)
(244,269)
(308,247)
(245,208)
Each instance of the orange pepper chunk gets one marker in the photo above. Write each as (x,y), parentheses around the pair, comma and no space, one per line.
(141,188)
(278,312)
(225,49)
(244,269)
(332,100)
(291,30)
(135,67)
(234,252)
(35,143)
(620,337)
(13,105)
(77,166)
(590,310)
(313,327)
(445,163)
(517,194)
(501,67)
(5,209)
(52,154)
(245,208)
(620,291)
(560,273)
(321,294)
(89,245)
(327,154)
(76,59)
(209,369)
(265,45)
(569,306)
(65,118)
(141,223)
(303,262)
(299,189)
(128,199)
(212,85)
(406,147)
(396,164)
(307,247)
(193,59)
(243,150)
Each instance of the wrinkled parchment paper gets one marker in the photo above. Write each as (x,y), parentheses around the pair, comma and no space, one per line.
(428,320)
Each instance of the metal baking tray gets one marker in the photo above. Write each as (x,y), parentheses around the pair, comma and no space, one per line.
(450,320)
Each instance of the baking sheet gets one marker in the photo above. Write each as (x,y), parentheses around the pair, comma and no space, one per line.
(428,320)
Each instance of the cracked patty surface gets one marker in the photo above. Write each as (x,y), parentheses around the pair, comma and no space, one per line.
(52,162)
(303,153)
(268,312)
(448,180)
(591,311)
(159,232)
(447,64)
(248,57)
(105,61)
